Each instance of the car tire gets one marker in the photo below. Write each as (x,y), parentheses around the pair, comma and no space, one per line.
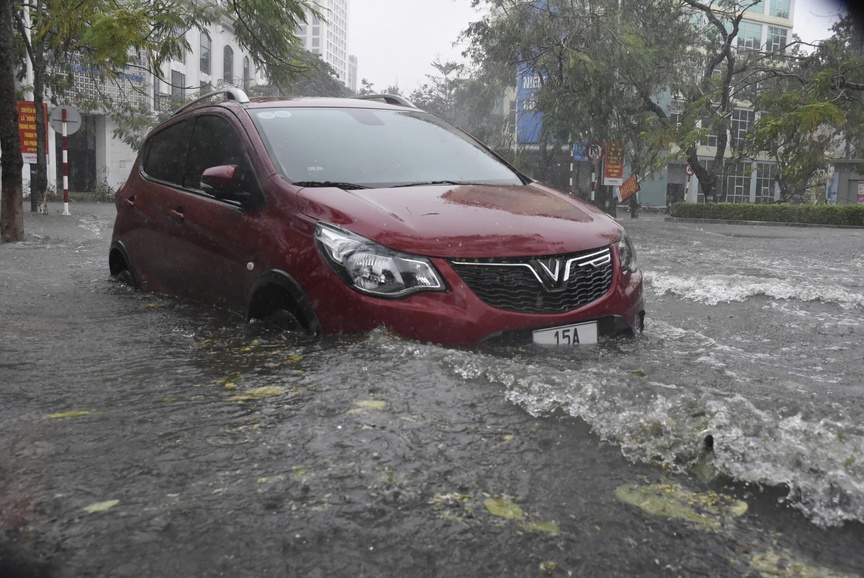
(125,277)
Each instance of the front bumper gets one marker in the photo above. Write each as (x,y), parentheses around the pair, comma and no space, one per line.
(458,317)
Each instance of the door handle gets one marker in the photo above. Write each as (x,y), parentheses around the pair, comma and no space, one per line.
(177,213)
(129,201)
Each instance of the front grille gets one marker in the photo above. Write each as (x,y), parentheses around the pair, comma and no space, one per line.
(551,284)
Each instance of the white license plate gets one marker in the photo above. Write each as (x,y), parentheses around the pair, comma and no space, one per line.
(579,334)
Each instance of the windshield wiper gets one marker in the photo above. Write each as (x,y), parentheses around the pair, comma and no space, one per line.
(425,183)
(338,185)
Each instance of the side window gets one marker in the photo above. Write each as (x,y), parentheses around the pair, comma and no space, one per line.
(165,153)
(214,142)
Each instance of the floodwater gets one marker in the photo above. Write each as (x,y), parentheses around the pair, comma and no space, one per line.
(143,436)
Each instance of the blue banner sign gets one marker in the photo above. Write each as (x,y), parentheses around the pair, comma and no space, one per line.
(529,119)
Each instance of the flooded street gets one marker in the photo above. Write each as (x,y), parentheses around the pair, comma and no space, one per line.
(142,436)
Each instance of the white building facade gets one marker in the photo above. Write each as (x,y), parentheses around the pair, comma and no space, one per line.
(328,37)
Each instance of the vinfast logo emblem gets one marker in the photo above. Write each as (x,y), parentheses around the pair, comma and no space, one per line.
(552,272)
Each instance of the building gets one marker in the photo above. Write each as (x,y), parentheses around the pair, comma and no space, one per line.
(97,160)
(328,37)
(765,27)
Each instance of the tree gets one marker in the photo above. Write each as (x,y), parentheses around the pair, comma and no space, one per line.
(438,95)
(314,78)
(12,223)
(110,36)
(661,76)
(812,111)
(367,88)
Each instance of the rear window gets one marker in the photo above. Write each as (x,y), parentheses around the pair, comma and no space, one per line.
(375,148)
(165,153)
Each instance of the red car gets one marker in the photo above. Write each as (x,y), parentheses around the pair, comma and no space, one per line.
(342,215)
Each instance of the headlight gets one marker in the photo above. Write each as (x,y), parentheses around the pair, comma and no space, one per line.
(626,253)
(372,268)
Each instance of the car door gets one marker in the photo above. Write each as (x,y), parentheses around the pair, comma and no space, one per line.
(141,203)
(207,238)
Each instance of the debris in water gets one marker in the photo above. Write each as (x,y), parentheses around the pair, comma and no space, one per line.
(67,414)
(101,506)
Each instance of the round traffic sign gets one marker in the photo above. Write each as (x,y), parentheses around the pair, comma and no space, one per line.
(595,151)
(73,119)
(689,170)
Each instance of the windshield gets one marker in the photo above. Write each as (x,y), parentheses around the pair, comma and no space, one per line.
(360,147)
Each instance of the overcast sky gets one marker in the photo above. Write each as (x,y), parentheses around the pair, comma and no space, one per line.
(396,41)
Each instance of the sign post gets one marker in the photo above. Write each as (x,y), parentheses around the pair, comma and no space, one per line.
(689,170)
(595,153)
(27,135)
(66,120)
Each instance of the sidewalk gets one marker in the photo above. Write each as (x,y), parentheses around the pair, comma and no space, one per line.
(85,220)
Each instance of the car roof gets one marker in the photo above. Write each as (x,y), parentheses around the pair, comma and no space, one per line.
(235,95)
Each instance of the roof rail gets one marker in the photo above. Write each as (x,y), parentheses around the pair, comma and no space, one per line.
(388,98)
(230,93)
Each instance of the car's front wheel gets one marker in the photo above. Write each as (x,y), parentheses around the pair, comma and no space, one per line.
(278,301)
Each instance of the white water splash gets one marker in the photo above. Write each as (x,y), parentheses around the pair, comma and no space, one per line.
(714,289)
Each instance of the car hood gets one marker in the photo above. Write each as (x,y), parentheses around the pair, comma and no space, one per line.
(465,220)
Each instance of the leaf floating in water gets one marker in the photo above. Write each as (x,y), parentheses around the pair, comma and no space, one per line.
(784,565)
(368,405)
(638,373)
(548,527)
(67,414)
(450,499)
(260,393)
(503,509)
(230,380)
(101,506)
(673,501)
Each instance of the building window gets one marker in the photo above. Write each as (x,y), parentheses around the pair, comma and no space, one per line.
(178,87)
(765,182)
(780,8)
(228,65)
(710,138)
(738,183)
(247,74)
(676,110)
(776,40)
(742,118)
(748,91)
(750,36)
(205,52)
(758,8)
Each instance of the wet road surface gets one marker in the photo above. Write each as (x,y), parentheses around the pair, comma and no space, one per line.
(143,436)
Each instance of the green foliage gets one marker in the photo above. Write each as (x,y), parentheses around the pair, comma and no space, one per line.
(608,72)
(849,215)
(663,75)
(807,110)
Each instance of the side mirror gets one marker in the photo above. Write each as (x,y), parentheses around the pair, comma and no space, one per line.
(221,181)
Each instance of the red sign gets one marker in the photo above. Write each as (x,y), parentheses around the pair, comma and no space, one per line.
(629,188)
(27,130)
(613,172)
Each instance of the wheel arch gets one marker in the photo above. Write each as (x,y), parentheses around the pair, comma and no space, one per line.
(119,261)
(263,297)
